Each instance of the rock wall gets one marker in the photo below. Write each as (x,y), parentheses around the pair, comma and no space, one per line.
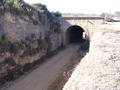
(17,28)
(23,43)
(100,68)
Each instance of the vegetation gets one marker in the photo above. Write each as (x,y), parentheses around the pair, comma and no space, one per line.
(117,14)
(9,61)
(35,22)
(14,48)
(13,74)
(18,71)
(44,14)
(38,13)
(27,67)
(4,44)
(107,16)
(7,46)
(57,14)
(18,7)
(41,44)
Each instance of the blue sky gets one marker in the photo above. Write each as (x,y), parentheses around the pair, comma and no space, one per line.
(80,6)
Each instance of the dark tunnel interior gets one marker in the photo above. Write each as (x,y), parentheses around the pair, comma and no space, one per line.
(75,34)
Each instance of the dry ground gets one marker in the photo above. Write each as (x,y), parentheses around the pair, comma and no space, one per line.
(100,68)
(43,76)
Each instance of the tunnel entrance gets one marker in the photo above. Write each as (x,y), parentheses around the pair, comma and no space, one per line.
(75,34)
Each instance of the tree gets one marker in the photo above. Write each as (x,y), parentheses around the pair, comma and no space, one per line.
(107,16)
(57,14)
(117,13)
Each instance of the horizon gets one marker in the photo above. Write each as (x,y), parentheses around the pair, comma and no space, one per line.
(86,6)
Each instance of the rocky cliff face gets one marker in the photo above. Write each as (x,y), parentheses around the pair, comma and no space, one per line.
(27,33)
(19,20)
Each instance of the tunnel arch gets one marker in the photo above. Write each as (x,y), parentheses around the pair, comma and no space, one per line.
(75,34)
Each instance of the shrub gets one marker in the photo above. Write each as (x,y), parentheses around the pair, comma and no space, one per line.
(14,48)
(4,44)
(57,27)
(27,67)
(29,12)
(14,73)
(57,14)
(10,61)
(32,52)
(4,38)
(18,71)
(10,75)
(41,43)
(18,11)
(40,61)
(35,22)
(1,10)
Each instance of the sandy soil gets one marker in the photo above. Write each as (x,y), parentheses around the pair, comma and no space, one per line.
(42,77)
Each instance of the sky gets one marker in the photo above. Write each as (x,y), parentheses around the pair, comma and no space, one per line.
(80,6)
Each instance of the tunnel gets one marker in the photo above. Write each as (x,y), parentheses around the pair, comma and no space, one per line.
(75,34)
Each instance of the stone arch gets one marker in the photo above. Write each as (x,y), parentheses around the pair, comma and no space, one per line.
(75,34)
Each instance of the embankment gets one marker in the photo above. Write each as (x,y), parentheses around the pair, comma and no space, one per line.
(100,68)
(28,33)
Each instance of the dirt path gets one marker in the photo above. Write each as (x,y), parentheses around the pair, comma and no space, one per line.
(42,77)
